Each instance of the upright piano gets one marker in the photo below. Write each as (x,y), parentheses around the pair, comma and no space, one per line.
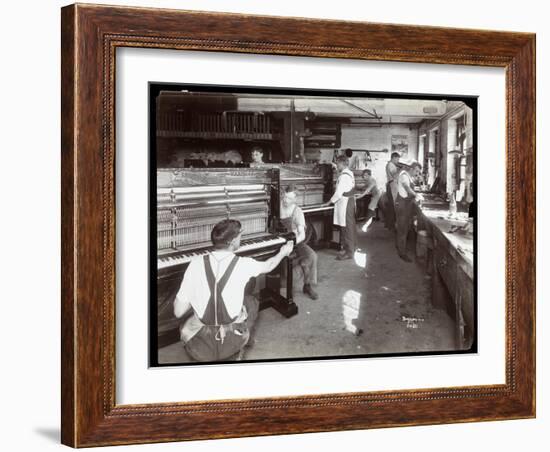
(189,203)
(314,186)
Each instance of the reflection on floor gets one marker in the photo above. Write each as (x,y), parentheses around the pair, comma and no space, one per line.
(374,304)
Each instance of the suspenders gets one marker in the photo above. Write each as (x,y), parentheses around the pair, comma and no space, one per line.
(216,313)
(410,180)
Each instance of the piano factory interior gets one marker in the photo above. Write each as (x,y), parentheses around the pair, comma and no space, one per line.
(407,286)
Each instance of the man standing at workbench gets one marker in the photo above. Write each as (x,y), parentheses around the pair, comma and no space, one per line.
(404,206)
(392,173)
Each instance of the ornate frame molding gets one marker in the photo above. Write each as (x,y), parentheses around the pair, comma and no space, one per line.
(90,37)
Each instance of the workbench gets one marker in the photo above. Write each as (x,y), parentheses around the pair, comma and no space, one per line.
(452,265)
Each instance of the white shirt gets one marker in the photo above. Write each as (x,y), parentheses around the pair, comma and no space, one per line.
(298,220)
(391,171)
(404,179)
(194,288)
(344,184)
(372,187)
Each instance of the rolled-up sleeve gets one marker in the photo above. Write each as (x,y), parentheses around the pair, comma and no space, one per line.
(300,222)
(182,302)
(253,267)
(404,181)
(391,171)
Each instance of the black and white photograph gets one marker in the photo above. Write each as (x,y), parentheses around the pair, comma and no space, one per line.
(275,226)
(298,224)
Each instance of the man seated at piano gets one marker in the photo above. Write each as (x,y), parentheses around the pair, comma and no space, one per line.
(213,288)
(292,218)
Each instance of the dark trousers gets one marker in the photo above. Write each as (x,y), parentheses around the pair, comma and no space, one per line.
(307,259)
(349,231)
(404,208)
(207,345)
(389,212)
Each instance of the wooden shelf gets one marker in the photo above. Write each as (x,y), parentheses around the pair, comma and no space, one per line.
(216,135)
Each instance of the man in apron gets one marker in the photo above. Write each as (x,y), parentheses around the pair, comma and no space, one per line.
(392,172)
(344,207)
(404,207)
(293,220)
(213,288)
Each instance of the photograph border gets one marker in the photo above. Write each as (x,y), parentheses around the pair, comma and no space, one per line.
(90,35)
(154,87)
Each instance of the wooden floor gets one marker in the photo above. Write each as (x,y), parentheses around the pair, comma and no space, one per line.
(374,304)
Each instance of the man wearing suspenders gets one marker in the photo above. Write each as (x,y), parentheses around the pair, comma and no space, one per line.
(344,207)
(404,207)
(293,220)
(213,288)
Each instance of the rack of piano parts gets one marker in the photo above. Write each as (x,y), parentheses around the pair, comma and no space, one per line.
(314,186)
(189,203)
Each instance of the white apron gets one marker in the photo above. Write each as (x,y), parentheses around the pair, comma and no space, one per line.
(340,206)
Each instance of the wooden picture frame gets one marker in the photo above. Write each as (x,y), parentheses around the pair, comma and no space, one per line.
(90,37)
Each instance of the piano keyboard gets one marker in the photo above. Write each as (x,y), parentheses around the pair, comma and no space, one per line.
(248,245)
